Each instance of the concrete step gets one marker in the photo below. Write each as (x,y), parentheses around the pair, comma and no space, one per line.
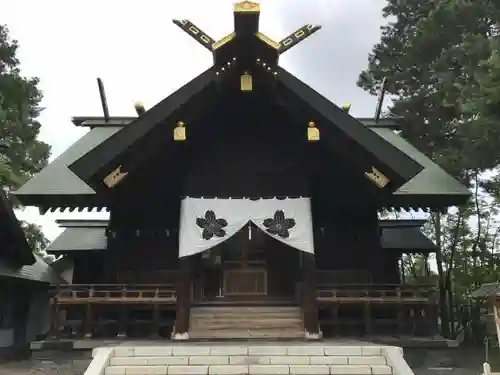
(250,370)
(234,359)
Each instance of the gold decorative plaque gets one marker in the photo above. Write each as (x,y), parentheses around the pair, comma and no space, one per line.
(180,132)
(312,132)
(114,178)
(377,177)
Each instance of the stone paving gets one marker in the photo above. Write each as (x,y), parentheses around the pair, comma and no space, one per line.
(423,362)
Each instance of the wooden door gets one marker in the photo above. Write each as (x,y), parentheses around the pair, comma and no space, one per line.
(245,282)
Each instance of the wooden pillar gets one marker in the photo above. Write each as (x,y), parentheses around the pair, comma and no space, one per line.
(183,303)
(155,331)
(310,307)
(88,321)
(55,315)
(122,321)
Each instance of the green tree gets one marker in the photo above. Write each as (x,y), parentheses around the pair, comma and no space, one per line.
(22,154)
(442,61)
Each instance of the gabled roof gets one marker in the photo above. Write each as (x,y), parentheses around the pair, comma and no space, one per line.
(127,148)
(13,245)
(413,180)
(242,52)
(57,184)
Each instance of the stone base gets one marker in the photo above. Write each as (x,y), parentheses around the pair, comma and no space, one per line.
(180,336)
(313,335)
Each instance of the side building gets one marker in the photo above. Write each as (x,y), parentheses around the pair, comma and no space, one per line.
(245,204)
(25,282)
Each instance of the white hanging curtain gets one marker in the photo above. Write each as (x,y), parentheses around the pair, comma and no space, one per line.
(205,223)
(287,220)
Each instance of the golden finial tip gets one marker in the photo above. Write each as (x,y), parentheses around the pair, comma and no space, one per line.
(247,6)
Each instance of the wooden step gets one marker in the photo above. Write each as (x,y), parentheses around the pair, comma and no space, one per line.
(248,325)
(246,334)
(246,322)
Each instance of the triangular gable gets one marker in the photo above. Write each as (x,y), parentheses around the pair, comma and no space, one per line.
(105,156)
(365,146)
(369,148)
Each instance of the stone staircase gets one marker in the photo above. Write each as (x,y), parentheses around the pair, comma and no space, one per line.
(246,322)
(236,359)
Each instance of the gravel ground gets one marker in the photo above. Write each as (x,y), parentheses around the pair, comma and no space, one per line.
(423,362)
(45,367)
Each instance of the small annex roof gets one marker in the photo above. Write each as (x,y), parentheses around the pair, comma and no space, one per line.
(86,235)
(487,291)
(56,184)
(13,245)
(80,235)
(39,271)
(405,236)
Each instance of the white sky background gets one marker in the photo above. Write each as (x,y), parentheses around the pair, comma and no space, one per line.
(141,55)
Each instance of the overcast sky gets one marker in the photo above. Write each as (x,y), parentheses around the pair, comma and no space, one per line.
(141,55)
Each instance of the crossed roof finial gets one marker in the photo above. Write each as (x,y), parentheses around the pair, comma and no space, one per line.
(247,19)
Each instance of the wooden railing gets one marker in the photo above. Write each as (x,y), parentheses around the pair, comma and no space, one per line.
(381,293)
(115,293)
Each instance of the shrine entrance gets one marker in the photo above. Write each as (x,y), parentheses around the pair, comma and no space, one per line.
(250,266)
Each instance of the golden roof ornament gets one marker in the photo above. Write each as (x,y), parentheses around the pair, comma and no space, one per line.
(377,177)
(246,6)
(313,134)
(180,132)
(115,177)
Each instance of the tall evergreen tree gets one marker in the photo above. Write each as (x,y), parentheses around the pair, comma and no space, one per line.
(21,153)
(441,59)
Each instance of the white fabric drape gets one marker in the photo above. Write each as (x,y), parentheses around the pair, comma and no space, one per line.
(300,235)
(205,223)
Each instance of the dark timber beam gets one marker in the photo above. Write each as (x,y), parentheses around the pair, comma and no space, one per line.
(296,37)
(196,33)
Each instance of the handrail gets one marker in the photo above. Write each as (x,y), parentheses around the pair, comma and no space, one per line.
(103,293)
(374,292)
